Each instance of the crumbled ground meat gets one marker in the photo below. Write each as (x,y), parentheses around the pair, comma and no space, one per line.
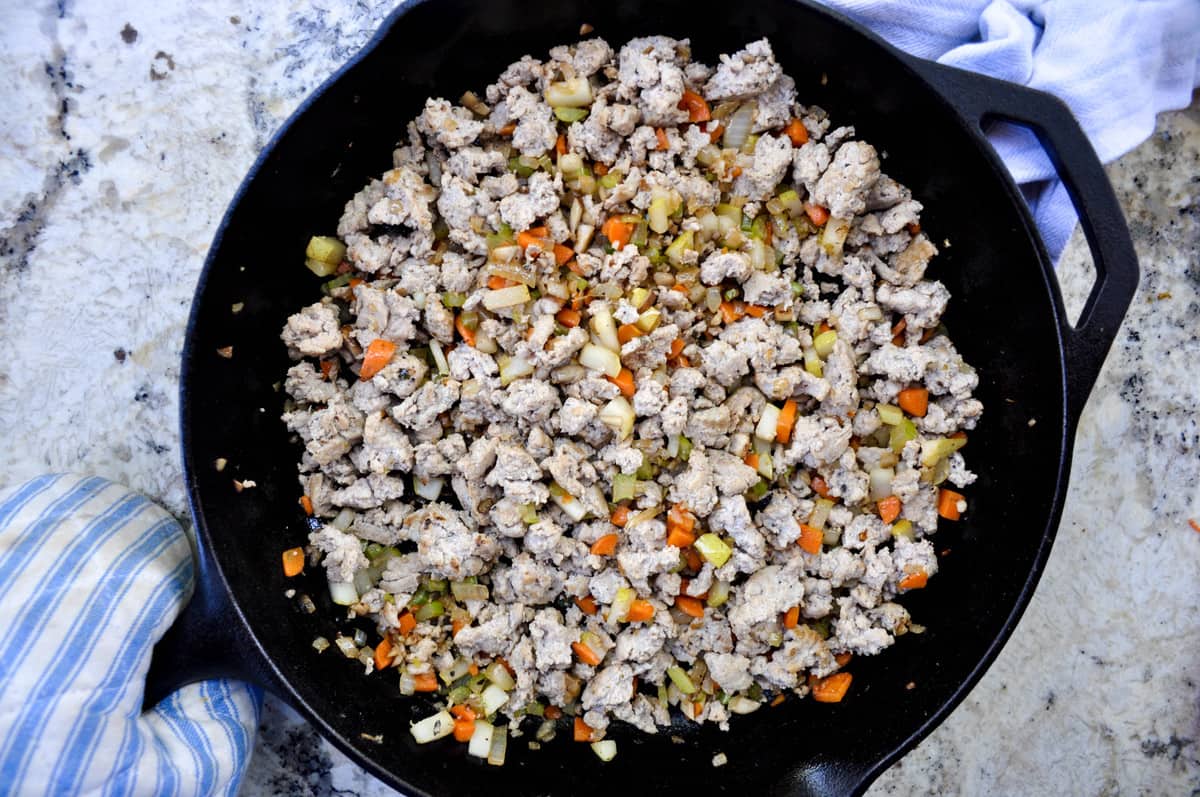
(557,404)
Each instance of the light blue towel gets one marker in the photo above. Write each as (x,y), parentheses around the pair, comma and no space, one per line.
(1116,63)
(91,575)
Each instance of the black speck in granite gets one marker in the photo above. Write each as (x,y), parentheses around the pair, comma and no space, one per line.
(162,66)
(120,355)
(18,241)
(129,34)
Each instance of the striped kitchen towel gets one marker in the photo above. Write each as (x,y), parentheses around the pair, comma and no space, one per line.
(91,575)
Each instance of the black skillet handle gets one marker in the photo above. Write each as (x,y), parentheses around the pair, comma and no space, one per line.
(207,640)
(982,99)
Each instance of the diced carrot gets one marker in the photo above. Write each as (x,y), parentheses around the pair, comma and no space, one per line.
(679,287)
(947,506)
(680,538)
(462,712)
(640,611)
(620,516)
(496,282)
(792,617)
(1195,526)
(583,733)
(959,435)
(832,688)
(382,659)
(456,625)
(690,605)
(568,317)
(778,700)
(695,562)
(293,562)
(379,353)
(820,487)
(306,505)
(731,311)
(599,168)
(756,310)
(328,368)
(917,579)
(627,332)
(914,227)
(810,538)
(528,238)
(624,380)
(473,669)
(576,268)
(797,132)
(563,253)
(751,459)
(586,604)
(508,129)
(676,349)
(585,654)
(679,519)
(467,334)
(560,146)
(617,231)
(715,135)
(605,546)
(927,335)
(696,106)
(889,509)
(464,729)
(816,214)
(898,332)
(914,401)
(663,143)
(407,622)
(425,682)
(787,419)
(842,659)
(823,327)
(736,171)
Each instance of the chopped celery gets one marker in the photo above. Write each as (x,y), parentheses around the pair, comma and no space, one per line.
(529,514)
(646,470)
(337,282)
(932,451)
(713,549)
(813,364)
(685,448)
(325,249)
(823,343)
(759,229)
(756,492)
(648,321)
(419,598)
(535,709)
(521,168)
(430,610)
(568,115)
(901,434)
(611,180)
(718,593)
(624,487)
(890,415)
(469,319)
(437,584)
(797,289)
(454,299)
(681,680)
(790,201)
(903,528)
(681,244)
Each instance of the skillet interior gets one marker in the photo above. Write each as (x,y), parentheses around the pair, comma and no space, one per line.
(1002,317)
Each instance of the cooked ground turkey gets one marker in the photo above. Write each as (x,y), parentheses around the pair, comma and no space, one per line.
(577,296)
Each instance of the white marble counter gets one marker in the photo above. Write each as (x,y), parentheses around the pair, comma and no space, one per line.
(128,127)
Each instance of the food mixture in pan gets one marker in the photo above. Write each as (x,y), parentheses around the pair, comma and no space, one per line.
(628,395)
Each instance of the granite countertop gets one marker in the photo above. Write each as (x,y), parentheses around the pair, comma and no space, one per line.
(125,136)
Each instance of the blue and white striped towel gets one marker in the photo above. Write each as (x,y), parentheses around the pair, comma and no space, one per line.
(91,575)
(1116,63)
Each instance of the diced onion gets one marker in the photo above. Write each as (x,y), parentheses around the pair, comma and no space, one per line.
(573,93)
(481,740)
(659,213)
(820,513)
(569,504)
(881,483)
(604,327)
(743,705)
(599,358)
(812,363)
(620,605)
(833,236)
(768,423)
(506,297)
(325,249)
(346,645)
(343,593)
(939,448)
(605,749)
(499,675)
(649,320)
(499,746)
(343,519)
(737,129)
(437,726)
(513,368)
(583,237)
(618,416)
(320,644)
(439,357)
(469,592)
(718,593)
(492,699)
(570,164)
(429,490)
(485,342)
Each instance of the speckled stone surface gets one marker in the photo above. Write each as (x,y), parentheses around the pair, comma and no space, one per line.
(128,128)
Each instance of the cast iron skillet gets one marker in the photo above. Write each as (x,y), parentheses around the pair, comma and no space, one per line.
(1006,317)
